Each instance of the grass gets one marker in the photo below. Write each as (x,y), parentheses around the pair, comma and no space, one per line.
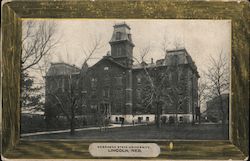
(183,132)
(216,148)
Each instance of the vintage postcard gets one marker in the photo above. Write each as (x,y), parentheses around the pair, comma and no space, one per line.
(125,80)
(134,80)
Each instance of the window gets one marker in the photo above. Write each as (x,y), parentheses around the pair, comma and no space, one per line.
(181,119)
(118,81)
(181,76)
(93,83)
(140,119)
(105,92)
(138,94)
(118,94)
(171,119)
(174,60)
(147,119)
(170,77)
(63,88)
(84,92)
(118,35)
(116,119)
(106,80)
(93,107)
(119,51)
(129,37)
(164,119)
(138,80)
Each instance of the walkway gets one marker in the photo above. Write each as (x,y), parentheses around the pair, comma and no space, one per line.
(81,129)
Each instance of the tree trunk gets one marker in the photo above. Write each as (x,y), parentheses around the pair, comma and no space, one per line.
(158,113)
(72,122)
(72,127)
(157,116)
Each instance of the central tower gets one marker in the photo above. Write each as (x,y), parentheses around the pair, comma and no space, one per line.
(122,52)
(122,45)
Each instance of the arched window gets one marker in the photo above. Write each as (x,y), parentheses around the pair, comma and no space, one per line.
(138,80)
(118,35)
(93,83)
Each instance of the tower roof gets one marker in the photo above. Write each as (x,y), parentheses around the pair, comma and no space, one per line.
(121,33)
(123,24)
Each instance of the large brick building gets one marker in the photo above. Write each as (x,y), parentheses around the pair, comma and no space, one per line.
(215,112)
(119,89)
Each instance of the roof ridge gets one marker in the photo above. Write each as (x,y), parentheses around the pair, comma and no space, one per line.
(66,64)
(110,59)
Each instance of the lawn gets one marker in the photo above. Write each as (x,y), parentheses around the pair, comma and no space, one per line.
(78,149)
(181,132)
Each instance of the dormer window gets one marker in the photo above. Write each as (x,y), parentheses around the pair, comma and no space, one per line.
(118,35)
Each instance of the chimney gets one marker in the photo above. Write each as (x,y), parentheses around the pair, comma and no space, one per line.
(152,61)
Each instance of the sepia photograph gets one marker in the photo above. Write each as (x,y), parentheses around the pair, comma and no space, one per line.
(125,79)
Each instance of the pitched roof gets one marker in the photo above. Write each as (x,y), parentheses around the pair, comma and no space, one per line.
(110,59)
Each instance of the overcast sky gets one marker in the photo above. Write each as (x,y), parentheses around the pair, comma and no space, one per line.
(201,38)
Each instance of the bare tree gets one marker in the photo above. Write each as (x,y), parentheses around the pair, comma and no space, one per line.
(144,52)
(202,91)
(176,94)
(39,39)
(66,98)
(218,80)
(159,90)
(160,94)
(95,45)
(165,43)
(202,96)
(72,97)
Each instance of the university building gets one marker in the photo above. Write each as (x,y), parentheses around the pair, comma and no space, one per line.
(216,109)
(122,90)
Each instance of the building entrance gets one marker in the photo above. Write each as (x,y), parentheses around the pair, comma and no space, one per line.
(105,109)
